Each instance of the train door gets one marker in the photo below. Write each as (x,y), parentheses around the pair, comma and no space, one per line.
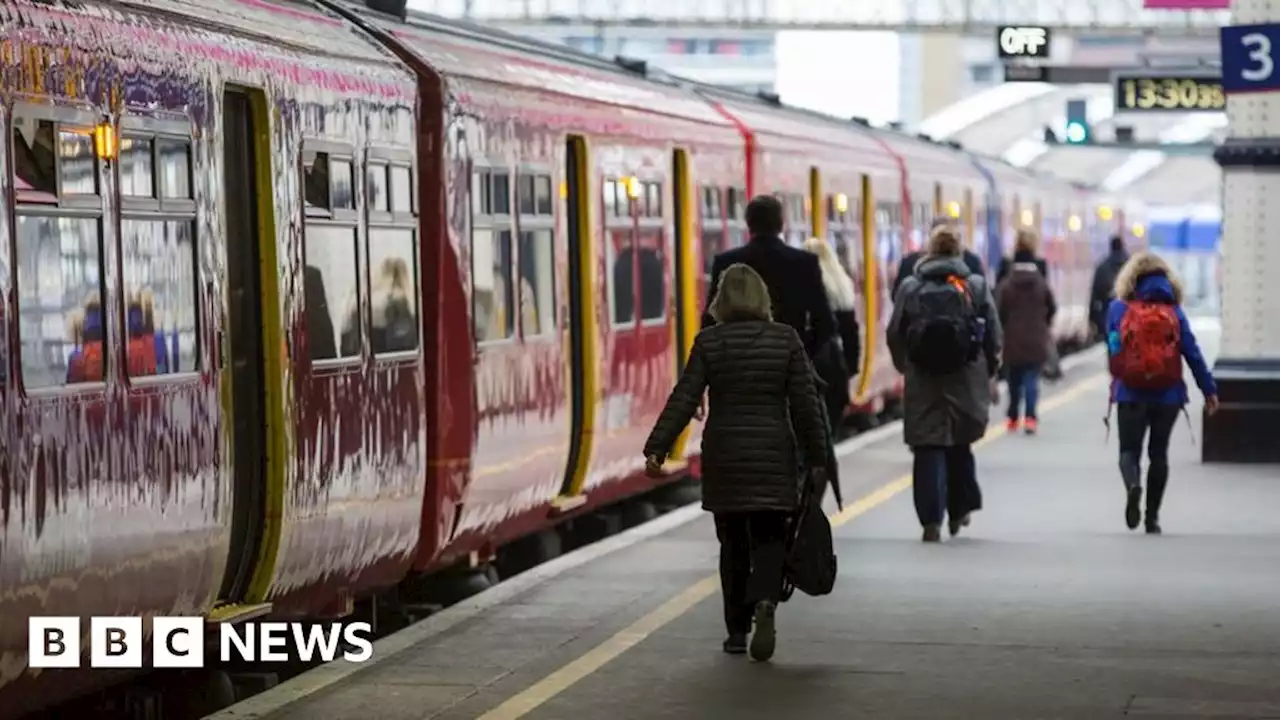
(243,339)
(581,324)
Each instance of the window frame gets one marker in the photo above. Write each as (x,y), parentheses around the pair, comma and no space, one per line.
(391,219)
(496,223)
(348,218)
(81,206)
(158,208)
(612,221)
(535,222)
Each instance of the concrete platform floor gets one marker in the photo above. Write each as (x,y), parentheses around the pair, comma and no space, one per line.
(1047,607)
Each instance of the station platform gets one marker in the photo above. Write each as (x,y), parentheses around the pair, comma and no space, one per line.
(1046,607)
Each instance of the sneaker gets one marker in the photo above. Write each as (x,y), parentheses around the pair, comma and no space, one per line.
(932,534)
(736,644)
(1153,525)
(764,639)
(1132,513)
(1031,426)
(1011,425)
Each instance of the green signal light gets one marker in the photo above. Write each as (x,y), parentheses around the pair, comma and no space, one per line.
(1077,132)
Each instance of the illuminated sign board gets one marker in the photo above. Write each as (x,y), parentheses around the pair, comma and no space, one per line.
(1153,92)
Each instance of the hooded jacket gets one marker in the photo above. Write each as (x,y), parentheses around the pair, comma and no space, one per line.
(1148,279)
(1026,306)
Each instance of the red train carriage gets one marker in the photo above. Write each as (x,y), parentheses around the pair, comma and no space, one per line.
(569,189)
(177,432)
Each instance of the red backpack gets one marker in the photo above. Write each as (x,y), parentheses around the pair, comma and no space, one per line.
(86,364)
(1150,356)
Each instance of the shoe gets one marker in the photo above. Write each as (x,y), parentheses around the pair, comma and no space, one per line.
(1011,425)
(1031,426)
(1153,525)
(1132,513)
(954,524)
(932,533)
(764,639)
(736,644)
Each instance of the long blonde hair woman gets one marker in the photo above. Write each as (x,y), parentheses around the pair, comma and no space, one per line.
(764,418)
(835,280)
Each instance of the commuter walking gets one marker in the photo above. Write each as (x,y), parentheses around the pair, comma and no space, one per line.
(1026,307)
(1148,337)
(837,362)
(1104,283)
(764,417)
(945,338)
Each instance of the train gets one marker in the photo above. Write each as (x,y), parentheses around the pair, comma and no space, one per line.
(303,299)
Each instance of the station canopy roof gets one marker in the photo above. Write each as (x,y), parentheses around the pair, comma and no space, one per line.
(1009,120)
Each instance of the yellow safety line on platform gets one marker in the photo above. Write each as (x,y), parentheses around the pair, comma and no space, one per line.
(557,682)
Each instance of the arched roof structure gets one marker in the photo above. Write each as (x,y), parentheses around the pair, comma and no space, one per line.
(1008,121)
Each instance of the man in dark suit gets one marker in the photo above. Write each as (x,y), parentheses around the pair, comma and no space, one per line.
(907,267)
(792,274)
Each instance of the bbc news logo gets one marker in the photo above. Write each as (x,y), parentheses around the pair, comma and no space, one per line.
(179,642)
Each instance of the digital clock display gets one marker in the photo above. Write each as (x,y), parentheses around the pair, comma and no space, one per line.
(1171,93)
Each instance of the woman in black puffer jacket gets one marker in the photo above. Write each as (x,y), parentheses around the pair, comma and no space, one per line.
(761,387)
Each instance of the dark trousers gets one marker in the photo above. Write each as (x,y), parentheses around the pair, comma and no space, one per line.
(1024,386)
(945,481)
(1134,421)
(752,552)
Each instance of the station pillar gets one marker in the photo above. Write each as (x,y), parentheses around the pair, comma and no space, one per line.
(1247,426)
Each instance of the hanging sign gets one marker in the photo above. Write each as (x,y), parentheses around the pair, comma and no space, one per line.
(1248,58)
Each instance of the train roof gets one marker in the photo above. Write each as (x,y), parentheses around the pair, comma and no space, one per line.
(469,52)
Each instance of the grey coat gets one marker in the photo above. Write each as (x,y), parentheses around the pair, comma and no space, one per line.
(952,409)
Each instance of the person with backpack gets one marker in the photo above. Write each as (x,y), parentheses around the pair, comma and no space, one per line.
(1026,307)
(907,267)
(945,338)
(764,417)
(1148,337)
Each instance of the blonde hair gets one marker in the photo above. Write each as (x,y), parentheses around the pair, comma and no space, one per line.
(1140,265)
(838,285)
(1026,241)
(742,295)
(944,241)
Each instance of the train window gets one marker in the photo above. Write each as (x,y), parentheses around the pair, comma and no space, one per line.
(653,278)
(624,190)
(542,192)
(77,162)
(527,202)
(710,205)
(624,286)
(159,259)
(653,199)
(58,256)
(376,192)
(393,289)
(535,195)
(315,180)
(737,203)
(501,193)
(492,294)
(175,168)
(481,193)
(402,189)
(333,296)
(609,196)
(35,166)
(537,282)
(137,160)
(61,320)
(341,185)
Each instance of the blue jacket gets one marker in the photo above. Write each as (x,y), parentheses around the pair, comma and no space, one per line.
(1156,288)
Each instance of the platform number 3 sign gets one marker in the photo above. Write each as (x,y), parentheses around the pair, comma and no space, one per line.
(1248,64)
